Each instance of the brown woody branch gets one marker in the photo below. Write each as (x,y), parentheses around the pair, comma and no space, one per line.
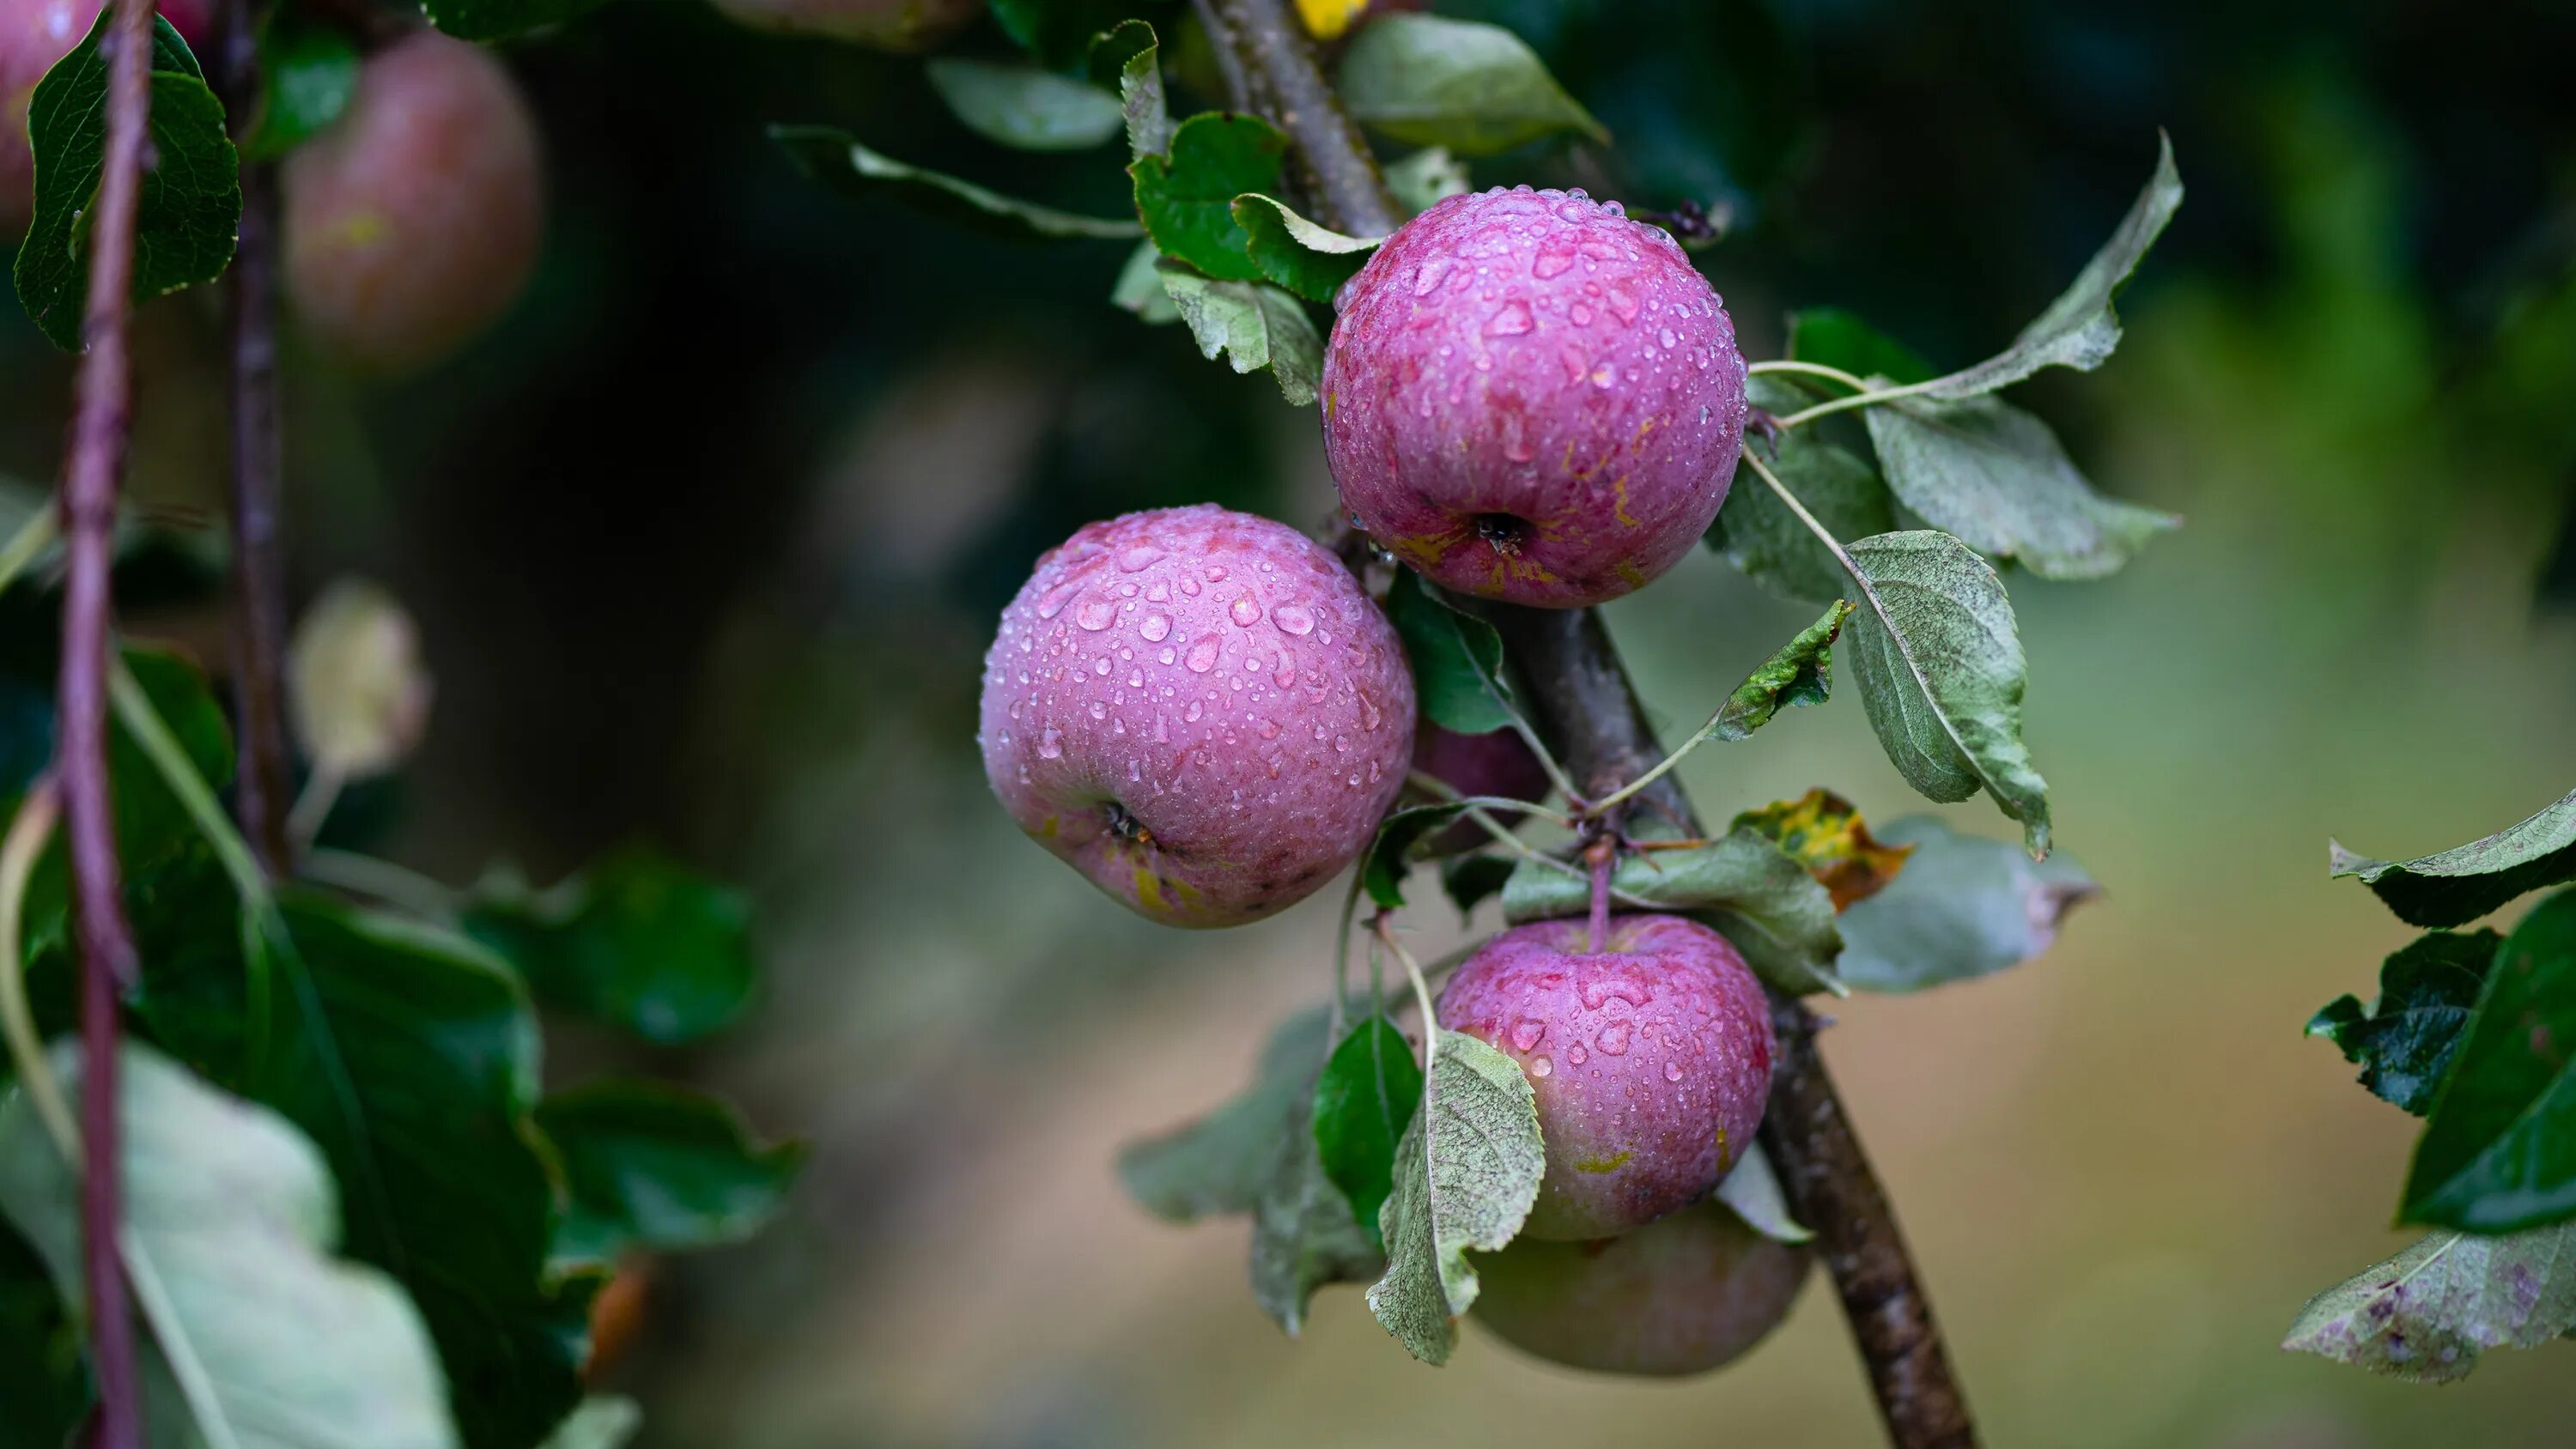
(90,480)
(264,790)
(1585,705)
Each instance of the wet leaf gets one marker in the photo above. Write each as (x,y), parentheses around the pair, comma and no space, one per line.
(2465,882)
(1995,476)
(1740,883)
(1466,1175)
(1938,658)
(1457,659)
(1252,325)
(2404,1041)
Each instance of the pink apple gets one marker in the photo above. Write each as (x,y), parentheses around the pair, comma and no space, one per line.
(33,35)
(1530,397)
(414,221)
(1200,710)
(1651,1059)
(1681,1295)
(897,25)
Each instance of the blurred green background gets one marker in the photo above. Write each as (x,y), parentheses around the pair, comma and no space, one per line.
(707,540)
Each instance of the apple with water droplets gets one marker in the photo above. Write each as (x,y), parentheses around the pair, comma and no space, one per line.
(1649,1052)
(895,25)
(1682,1295)
(1530,397)
(413,222)
(34,34)
(1200,710)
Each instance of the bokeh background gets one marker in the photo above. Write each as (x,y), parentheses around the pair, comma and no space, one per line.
(707,540)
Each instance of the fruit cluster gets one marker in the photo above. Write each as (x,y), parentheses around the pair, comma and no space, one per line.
(1528,398)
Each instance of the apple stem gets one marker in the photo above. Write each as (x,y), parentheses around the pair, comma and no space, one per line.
(1600,854)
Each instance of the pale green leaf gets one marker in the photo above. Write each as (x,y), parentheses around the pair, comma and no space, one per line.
(1963,907)
(1995,476)
(262,1337)
(2427,1313)
(1467,1181)
(1252,325)
(1760,899)
(1752,1190)
(1023,107)
(837,160)
(1476,89)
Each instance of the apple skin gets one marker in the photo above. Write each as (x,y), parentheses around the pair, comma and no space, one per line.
(33,35)
(1651,1061)
(1498,764)
(901,26)
(1198,709)
(414,221)
(1682,1295)
(1531,398)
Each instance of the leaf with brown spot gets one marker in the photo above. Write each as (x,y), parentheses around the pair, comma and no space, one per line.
(1824,832)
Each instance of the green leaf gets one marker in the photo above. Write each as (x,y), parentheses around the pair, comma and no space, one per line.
(1252,325)
(1129,60)
(1778,915)
(1800,672)
(651,1165)
(2079,329)
(1823,833)
(1023,107)
(1995,476)
(1759,535)
(191,199)
(1457,659)
(637,941)
(1367,1094)
(1187,198)
(1833,337)
(1464,1181)
(2467,881)
(2427,1313)
(308,72)
(834,158)
(1474,88)
(1425,178)
(43,1378)
(409,1055)
(1220,1164)
(1309,260)
(1469,879)
(2404,1041)
(2499,1152)
(1303,1233)
(1963,907)
(1938,658)
(1139,288)
(502,19)
(604,1421)
(1752,1191)
(232,1231)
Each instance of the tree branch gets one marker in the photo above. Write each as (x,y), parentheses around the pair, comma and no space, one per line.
(265,789)
(1585,705)
(90,480)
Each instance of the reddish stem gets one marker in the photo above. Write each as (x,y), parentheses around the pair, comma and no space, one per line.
(90,480)
(264,791)
(1600,854)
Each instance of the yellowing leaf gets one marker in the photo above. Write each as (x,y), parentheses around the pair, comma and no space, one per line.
(1824,832)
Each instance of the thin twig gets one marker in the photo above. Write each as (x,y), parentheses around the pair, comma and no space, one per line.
(97,465)
(1583,700)
(265,785)
(29,830)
